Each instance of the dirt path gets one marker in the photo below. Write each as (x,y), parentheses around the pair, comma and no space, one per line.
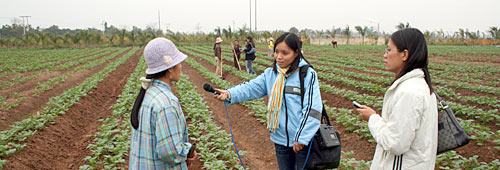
(33,104)
(63,145)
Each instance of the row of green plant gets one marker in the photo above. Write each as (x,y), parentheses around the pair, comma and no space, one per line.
(445,70)
(11,140)
(114,135)
(48,84)
(382,80)
(111,143)
(213,142)
(466,110)
(483,132)
(260,110)
(460,109)
(55,65)
(355,124)
(32,61)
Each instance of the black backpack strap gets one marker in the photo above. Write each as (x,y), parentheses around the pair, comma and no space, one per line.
(302,75)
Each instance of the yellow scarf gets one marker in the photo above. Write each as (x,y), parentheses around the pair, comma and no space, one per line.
(275,100)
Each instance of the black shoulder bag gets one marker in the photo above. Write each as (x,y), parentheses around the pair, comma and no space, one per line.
(325,148)
(450,134)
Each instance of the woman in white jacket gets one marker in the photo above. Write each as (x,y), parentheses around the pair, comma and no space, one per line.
(406,131)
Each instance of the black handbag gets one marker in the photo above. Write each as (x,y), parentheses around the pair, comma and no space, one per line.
(324,149)
(450,134)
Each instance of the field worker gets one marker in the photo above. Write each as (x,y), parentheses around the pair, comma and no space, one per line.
(406,131)
(218,57)
(159,134)
(237,53)
(271,47)
(250,54)
(291,124)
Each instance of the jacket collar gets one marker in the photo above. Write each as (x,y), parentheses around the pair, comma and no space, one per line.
(302,62)
(161,84)
(415,73)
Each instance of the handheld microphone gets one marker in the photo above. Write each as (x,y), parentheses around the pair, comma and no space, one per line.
(210,89)
(207,87)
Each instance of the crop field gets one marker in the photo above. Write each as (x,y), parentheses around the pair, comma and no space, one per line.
(70,108)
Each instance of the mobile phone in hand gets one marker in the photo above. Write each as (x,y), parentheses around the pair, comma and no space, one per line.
(356,104)
(191,150)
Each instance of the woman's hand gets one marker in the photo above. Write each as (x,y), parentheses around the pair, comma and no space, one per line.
(366,112)
(224,94)
(297,147)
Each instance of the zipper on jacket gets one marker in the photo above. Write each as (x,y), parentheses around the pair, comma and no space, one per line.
(286,117)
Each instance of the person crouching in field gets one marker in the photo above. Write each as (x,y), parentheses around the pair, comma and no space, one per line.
(406,131)
(159,134)
(292,125)
(218,57)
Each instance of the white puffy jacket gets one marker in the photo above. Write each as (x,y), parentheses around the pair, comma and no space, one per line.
(407,132)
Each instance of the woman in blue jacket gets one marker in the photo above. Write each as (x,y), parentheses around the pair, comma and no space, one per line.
(291,124)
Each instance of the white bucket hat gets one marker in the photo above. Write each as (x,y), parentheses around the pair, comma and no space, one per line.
(218,40)
(161,54)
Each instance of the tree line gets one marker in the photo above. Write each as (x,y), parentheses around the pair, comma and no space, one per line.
(18,36)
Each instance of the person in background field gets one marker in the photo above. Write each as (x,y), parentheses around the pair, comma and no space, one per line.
(237,51)
(406,131)
(250,54)
(218,57)
(159,135)
(291,124)
(271,47)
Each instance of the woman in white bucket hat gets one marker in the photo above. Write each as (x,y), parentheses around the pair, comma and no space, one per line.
(218,56)
(159,135)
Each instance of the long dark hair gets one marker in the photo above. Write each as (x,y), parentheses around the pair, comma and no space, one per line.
(413,40)
(295,44)
(134,117)
(250,39)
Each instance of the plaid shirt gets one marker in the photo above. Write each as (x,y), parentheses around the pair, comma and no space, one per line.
(161,140)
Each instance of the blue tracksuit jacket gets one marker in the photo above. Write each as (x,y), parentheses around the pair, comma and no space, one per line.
(296,123)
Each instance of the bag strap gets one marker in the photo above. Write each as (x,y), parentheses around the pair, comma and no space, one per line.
(448,111)
(302,75)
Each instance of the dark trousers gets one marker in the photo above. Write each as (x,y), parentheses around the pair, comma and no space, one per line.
(288,159)
(235,61)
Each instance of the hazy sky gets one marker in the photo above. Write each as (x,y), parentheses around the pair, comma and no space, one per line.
(185,15)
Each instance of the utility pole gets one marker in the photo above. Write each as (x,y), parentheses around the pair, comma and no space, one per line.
(250,5)
(24,25)
(255,16)
(159,24)
(103,27)
(198,27)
